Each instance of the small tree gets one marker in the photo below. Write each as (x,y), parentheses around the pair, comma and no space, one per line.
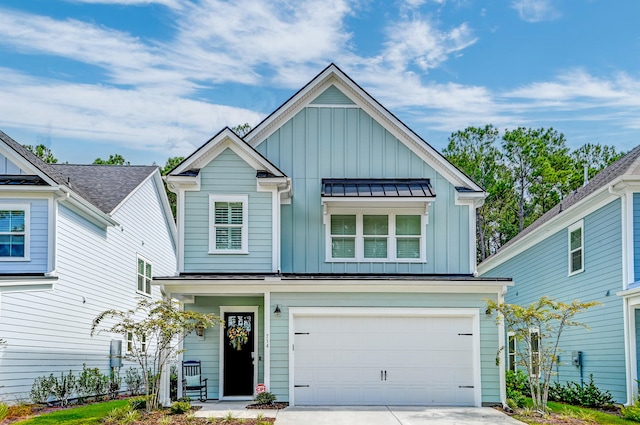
(155,330)
(537,329)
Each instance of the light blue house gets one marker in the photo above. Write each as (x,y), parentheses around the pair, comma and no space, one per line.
(339,248)
(75,240)
(587,248)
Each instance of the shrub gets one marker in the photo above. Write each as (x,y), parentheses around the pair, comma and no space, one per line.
(19,410)
(134,381)
(91,382)
(179,407)
(631,412)
(265,398)
(517,388)
(122,415)
(41,389)
(4,411)
(138,403)
(115,381)
(588,395)
(63,387)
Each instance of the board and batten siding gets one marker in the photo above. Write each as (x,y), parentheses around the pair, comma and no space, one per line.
(38,240)
(280,328)
(543,270)
(49,332)
(8,167)
(346,142)
(636,237)
(228,174)
(207,348)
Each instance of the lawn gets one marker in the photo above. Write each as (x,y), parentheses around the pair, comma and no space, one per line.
(574,415)
(89,414)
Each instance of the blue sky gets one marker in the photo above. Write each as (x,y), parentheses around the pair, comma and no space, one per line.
(151,79)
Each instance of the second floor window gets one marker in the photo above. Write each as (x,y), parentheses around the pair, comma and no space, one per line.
(144,276)
(228,231)
(576,248)
(14,232)
(376,237)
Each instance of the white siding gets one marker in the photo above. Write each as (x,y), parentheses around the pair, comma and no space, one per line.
(49,332)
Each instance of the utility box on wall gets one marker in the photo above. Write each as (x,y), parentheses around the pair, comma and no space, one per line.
(576,358)
(115,354)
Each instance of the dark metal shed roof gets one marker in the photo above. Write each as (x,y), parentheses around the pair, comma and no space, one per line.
(378,188)
(22,180)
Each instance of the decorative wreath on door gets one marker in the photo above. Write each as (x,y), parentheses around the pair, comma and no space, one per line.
(238,336)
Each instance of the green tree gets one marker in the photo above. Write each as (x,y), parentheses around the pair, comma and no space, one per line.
(42,152)
(170,165)
(474,151)
(537,329)
(242,129)
(595,157)
(156,330)
(116,159)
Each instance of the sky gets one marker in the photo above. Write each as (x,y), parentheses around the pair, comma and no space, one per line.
(152,79)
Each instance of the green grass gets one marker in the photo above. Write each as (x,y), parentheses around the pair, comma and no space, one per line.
(83,415)
(576,411)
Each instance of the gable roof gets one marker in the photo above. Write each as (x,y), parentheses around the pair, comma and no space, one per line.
(192,164)
(627,167)
(105,186)
(332,75)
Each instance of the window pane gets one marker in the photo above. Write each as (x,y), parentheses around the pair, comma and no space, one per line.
(147,287)
(235,213)
(17,246)
(140,266)
(375,225)
(343,247)
(576,239)
(408,225)
(5,221)
(229,238)
(140,283)
(148,274)
(408,248)
(17,221)
(375,248)
(235,241)
(576,260)
(222,212)
(343,224)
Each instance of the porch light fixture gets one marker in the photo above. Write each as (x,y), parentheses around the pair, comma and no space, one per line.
(277,312)
(200,331)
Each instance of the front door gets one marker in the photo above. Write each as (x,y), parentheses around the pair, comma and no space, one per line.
(238,354)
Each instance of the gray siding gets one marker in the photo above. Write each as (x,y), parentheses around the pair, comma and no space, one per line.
(347,143)
(39,239)
(49,332)
(543,269)
(207,348)
(228,174)
(280,328)
(636,237)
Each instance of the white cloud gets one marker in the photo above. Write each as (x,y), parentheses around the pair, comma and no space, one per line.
(536,10)
(174,4)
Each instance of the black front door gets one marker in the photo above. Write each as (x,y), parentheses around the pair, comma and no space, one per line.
(238,354)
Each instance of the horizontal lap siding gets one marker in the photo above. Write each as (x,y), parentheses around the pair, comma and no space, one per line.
(207,349)
(228,174)
(38,241)
(347,143)
(280,328)
(543,269)
(636,237)
(49,332)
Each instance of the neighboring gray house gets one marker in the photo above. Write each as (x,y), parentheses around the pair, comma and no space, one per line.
(339,248)
(587,248)
(75,240)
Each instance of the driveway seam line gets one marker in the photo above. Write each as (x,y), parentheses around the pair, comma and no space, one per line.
(394,415)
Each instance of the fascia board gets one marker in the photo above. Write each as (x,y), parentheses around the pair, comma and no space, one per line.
(27,284)
(332,75)
(226,139)
(87,210)
(574,213)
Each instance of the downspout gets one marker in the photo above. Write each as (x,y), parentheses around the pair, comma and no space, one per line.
(501,344)
(278,225)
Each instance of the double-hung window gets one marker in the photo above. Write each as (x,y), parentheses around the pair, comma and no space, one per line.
(376,237)
(228,218)
(144,276)
(14,232)
(576,247)
(511,351)
(534,351)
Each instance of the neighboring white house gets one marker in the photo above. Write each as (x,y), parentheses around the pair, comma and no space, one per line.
(75,240)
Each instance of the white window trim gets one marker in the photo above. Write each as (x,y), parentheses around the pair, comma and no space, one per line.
(512,365)
(531,332)
(138,258)
(244,199)
(391,237)
(27,229)
(571,229)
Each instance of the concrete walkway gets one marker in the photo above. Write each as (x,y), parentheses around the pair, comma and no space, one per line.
(363,415)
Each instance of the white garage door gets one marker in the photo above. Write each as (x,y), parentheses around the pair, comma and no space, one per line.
(374,360)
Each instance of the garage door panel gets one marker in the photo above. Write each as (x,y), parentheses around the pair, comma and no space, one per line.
(343,360)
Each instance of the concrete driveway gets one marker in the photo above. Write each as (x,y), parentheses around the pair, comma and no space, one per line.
(364,415)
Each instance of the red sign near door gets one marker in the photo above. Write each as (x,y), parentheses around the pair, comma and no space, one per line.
(261,388)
